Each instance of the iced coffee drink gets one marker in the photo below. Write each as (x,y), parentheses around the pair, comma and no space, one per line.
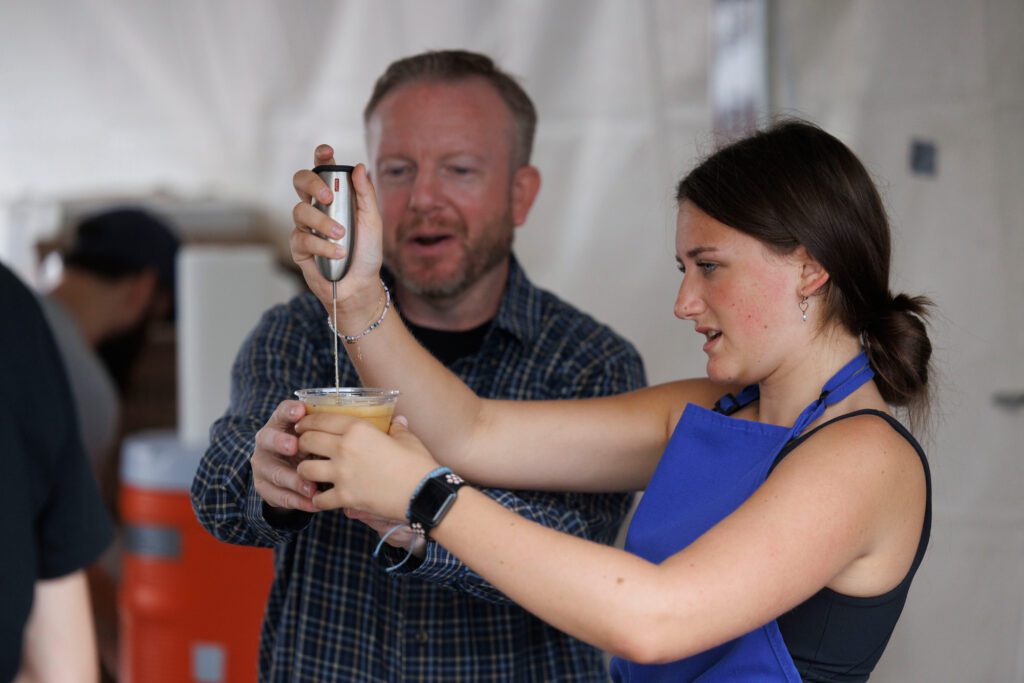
(373,405)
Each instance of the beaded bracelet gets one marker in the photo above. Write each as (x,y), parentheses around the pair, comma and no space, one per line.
(352,339)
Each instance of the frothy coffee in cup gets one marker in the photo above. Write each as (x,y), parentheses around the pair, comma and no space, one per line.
(376,406)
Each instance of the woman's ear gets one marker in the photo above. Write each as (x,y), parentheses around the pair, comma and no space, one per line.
(813,275)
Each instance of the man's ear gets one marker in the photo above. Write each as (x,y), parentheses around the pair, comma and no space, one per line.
(813,275)
(525,186)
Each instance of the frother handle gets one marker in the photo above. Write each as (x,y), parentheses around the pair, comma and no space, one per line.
(341,209)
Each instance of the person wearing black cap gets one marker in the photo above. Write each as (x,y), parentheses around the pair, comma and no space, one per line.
(118,276)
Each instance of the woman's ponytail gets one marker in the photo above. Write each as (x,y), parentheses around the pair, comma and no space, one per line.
(898,347)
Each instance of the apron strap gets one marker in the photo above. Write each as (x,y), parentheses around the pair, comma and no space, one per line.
(851,377)
(729,404)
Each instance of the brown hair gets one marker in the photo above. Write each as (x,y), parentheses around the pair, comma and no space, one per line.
(458,65)
(794,184)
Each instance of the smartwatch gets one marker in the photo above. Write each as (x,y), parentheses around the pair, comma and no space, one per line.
(432,499)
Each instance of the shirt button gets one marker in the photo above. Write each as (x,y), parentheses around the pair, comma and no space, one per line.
(421,636)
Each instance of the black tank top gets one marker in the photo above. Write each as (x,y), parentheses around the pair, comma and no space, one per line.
(834,637)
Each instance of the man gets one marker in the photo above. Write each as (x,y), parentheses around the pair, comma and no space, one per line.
(449,138)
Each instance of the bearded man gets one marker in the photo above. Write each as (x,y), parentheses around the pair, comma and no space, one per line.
(448,138)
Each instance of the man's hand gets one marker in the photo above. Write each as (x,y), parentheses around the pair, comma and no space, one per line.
(359,290)
(275,459)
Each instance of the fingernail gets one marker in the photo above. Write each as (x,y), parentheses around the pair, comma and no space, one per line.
(325,195)
(307,489)
(400,419)
(339,252)
(294,412)
(337,230)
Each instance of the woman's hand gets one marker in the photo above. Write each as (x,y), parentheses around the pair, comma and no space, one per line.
(359,291)
(371,471)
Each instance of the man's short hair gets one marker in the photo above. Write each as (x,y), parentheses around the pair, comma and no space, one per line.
(456,65)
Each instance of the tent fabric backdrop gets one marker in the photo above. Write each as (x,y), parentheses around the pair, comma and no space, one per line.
(226,99)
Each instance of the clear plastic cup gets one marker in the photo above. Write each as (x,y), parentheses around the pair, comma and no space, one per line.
(374,405)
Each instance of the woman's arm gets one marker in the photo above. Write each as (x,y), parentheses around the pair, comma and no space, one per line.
(59,641)
(843,510)
(845,513)
(602,444)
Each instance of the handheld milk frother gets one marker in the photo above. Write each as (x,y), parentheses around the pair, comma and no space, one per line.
(342,209)
(339,181)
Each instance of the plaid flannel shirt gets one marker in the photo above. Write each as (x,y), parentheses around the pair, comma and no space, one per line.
(333,614)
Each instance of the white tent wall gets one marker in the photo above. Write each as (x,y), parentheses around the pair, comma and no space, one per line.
(225,100)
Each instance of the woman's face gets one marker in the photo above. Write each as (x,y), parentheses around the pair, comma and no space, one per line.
(741,297)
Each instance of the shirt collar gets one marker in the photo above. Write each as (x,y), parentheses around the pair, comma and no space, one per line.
(520,311)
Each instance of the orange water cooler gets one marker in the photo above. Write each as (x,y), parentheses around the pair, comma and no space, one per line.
(190,606)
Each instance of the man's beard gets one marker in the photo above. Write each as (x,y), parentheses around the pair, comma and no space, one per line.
(493,246)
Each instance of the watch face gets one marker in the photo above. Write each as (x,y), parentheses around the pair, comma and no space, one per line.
(443,510)
(432,502)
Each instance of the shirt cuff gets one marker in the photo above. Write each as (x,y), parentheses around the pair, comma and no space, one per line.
(282,519)
(275,524)
(437,566)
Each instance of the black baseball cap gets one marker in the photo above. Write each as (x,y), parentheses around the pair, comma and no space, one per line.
(123,241)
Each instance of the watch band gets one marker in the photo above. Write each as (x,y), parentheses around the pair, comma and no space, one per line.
(432,499)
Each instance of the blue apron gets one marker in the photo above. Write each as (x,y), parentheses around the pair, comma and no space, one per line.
(710,466)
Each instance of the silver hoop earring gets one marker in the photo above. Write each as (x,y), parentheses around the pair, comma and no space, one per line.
(803,308)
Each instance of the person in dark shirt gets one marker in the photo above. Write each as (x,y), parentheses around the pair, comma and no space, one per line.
(54,523)
(449,138)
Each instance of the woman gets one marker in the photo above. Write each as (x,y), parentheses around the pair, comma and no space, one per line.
(785,511)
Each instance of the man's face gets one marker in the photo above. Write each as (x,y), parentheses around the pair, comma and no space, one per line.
(440,155)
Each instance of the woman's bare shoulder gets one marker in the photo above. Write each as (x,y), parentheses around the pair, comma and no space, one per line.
(867,443)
